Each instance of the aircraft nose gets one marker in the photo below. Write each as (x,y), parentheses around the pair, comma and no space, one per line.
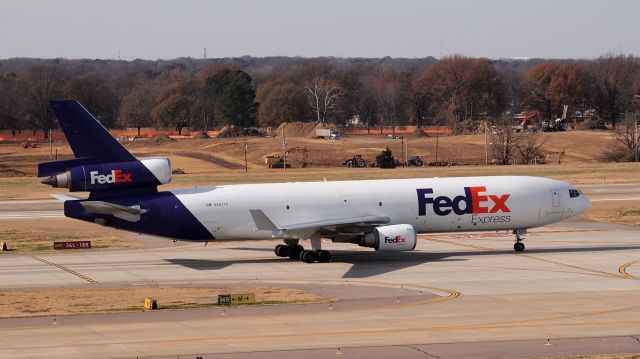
(585,204)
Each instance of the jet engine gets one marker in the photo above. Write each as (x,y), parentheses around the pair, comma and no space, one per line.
(109,176)
(393,238)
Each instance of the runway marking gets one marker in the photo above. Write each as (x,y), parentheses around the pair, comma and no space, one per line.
(31,214)
(594,271)
(460,244)
(350,333)
(82,276)
(615,199)
(623,270)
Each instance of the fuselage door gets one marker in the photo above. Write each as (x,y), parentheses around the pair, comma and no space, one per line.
(555,196)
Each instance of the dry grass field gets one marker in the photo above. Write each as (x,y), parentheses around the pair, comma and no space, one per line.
(68,301)
(208,162)
(221,161)
(38,235)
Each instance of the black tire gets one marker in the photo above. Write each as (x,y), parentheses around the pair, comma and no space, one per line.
(281,250)
(518,247)
(308,256)
(324,257)
(295,251)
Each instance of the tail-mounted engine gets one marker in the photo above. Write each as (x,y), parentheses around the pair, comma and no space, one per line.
(393,238)
(110,176)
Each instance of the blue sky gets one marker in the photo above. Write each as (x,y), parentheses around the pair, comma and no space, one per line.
(347,28)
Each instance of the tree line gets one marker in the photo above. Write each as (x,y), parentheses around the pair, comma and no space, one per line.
(202,94)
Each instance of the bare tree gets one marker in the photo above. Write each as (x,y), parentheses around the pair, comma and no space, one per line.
(626,142)
(137,106)
(627,132)
(389,97)
(323,95)
(504,141)
(530,148)
(614,79)
(39,85)
(97,97)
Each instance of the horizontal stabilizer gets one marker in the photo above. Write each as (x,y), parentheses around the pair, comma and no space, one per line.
(65,197)
(131,214)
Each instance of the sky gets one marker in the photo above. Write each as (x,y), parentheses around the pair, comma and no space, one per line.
(165,29)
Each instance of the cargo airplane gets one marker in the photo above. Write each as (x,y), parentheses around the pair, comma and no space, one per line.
(385,215)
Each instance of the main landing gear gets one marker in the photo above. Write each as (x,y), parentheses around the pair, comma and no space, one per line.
(297,252)
(520,233)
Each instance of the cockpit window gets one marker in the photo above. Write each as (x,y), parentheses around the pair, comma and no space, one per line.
(574,193)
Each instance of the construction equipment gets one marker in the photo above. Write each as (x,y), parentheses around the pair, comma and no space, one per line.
(557,124)
(355,161)
(29,144)
(277,160)
(526,119)
(415,161)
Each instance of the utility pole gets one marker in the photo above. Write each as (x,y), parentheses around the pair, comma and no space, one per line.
(437,136)
(402,152)
(636,138)
(486,148)
(284,150)
(51,147)
(246,147)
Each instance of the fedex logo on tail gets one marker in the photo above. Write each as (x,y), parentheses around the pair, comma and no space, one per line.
(116,176)
(474,201)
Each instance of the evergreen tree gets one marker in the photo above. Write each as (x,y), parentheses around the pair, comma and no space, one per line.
(385,159)
(233,97)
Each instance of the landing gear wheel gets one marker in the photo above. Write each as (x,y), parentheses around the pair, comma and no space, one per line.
(308,256)
(518,247)
(324,256)
(295,252)
(281,250)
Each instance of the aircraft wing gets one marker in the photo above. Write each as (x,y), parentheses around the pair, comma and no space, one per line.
(131,214)
(330,225)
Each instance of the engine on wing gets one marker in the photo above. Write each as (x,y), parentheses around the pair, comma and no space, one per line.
(110,176)
(393,238)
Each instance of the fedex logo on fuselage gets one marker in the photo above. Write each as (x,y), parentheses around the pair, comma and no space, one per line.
(116,176)
(474,201)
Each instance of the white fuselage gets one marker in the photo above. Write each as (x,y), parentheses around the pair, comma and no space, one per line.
(505,202)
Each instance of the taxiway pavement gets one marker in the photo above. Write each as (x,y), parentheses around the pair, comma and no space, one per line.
(467,294)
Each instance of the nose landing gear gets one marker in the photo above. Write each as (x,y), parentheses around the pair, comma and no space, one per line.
(520,233)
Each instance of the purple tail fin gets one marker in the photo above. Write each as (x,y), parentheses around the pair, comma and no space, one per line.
(89,140)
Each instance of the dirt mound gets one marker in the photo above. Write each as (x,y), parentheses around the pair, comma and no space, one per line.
(201,136)
(418,133)
(229,131)
(234,131)
(162,139)
(298,129)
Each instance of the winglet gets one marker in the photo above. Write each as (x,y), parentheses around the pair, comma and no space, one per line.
(263,223)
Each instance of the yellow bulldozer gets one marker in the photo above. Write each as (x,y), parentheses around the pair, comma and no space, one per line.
(277,160)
